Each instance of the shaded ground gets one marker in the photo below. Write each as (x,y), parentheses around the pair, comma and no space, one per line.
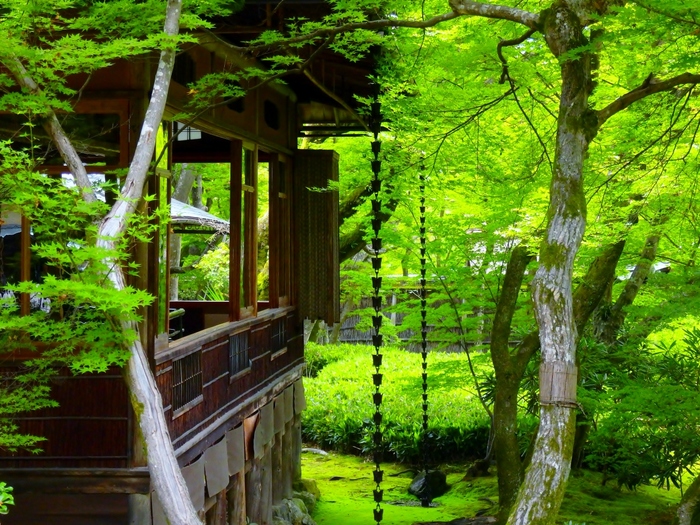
(346,487)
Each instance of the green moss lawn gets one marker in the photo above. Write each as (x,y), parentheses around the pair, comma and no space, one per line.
(346,487)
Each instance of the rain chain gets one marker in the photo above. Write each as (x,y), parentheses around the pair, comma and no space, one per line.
(375,125)
(423,328)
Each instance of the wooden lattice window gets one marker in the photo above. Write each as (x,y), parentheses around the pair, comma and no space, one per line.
(238,358)
(187,381)
(279,334)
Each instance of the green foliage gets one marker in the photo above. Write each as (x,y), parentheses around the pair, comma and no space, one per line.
(76,314)
(647,430)
(319,356)
(6,497)
(340,405)
(214,270)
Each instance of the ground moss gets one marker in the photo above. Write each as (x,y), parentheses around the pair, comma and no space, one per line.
(346,487)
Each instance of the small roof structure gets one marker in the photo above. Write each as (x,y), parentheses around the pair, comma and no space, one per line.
(188,219)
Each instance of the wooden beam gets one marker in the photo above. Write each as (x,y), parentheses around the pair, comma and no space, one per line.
(74,481)
(278,492)
(287,460)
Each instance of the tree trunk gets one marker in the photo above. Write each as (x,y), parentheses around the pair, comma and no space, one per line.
(198,193)
(510,367)
(688,507)
(335,332)
(542,491)
(165,473)
(607,331)
(508,377)
(313,331)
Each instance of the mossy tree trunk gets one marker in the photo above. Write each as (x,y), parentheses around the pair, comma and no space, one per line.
(607,330)
(510,364)
(508,377)
(688,510)
(543,488)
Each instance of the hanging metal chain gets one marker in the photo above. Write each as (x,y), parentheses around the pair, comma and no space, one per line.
(425,501)
(376,124)
(423,323)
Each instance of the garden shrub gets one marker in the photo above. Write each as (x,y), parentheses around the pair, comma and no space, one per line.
(318,356)
(339,404)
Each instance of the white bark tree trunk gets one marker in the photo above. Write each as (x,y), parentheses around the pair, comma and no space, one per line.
(543,489)
(166,476)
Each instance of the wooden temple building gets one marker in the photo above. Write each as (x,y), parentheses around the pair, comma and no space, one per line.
(229,372)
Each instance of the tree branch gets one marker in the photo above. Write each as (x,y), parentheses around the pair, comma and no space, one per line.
(649,87)
(505,307)
(507,43)
(668,15)
(54,129)
(505,75)
(347,28)
(500,12)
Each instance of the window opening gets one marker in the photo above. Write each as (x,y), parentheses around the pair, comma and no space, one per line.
(199,247)
(279,334)
(271,114)
(186,132)
(10,250)
(238,358)
(97,138)
(187,380)
(263,267)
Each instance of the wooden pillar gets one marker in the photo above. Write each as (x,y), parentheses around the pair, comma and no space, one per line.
(278,488)
(236,497)
(266,486)
(235,197)
(253,491)
(218,513)
(288,460)
(296,448)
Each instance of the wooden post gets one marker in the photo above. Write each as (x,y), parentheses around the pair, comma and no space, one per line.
(218,513)
(278,488)
(235,196)
(266,486)
(274,233)
(237,499)
(253,492)
(296,448)
(287,460)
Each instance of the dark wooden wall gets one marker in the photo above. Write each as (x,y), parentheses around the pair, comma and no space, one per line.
(89,428)
(316,219)
(221,391)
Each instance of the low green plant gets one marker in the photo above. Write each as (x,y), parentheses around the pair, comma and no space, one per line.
(339,405)
(6,497)
(319,356)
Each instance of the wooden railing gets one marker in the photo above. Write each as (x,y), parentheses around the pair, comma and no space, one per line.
(236,361)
